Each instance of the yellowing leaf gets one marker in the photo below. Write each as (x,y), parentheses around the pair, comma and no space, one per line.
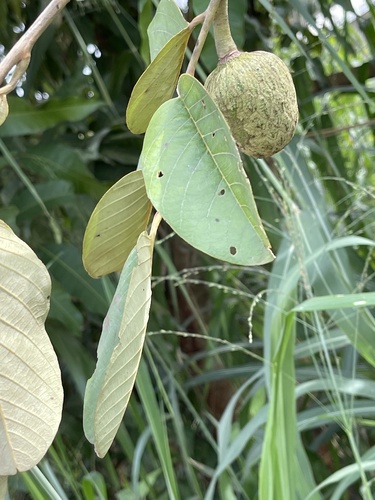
(119,352)
(115,224)
(31,392)
(157,84)
(4,108)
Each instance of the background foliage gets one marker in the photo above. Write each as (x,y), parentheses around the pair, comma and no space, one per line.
(201,403)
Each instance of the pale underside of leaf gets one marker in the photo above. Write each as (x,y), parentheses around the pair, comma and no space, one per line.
(157,84)
(3,487)
(108,340)
(115,224)
(4,108)
(195,179)
(108,391)
(31,393)
(166,23)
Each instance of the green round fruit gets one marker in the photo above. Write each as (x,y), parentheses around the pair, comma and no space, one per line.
(256,94)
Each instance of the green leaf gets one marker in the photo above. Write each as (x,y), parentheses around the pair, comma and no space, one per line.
(76,361)
(284,468)
(115,224)
(145,14)
(167,22)
(157,84)
(65,265)
(94,485)
(63,310)
(31,394)
(279,465)
(25,118)
(195,179)
(59,161)
(338,301)
(52,193)
(353,469)
(119,351)
(156,419)
(302,9)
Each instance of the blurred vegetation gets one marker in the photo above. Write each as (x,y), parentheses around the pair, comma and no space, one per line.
(203,391)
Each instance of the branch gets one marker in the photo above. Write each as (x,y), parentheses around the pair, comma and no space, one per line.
(20,53)
(208,18)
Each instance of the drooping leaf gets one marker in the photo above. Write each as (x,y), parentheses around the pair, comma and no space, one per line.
(31,393)
(167,22)
(4,108)
(108,390)
(195,179)
(157,84)
(115,224)
(25,118)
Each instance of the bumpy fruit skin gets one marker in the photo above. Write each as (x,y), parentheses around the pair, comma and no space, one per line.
(256,94)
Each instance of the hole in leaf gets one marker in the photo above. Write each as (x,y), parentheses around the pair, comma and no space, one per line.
(160,174)
(233,250)
(221,192)
(97,236)
(203,103)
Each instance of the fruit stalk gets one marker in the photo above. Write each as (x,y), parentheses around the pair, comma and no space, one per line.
(225,45)
(209,15)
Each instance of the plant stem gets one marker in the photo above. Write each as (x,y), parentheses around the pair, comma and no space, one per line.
(224,43)
(209,15)
(199,19)
(366,491)
(155,224)
(19,55)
